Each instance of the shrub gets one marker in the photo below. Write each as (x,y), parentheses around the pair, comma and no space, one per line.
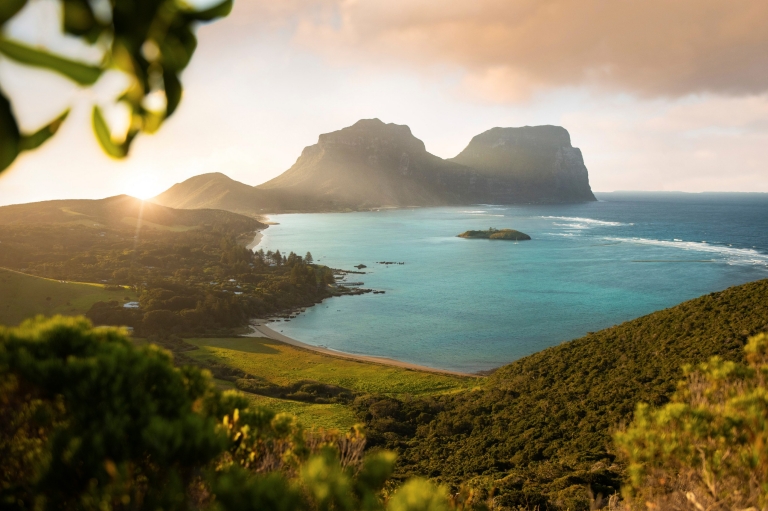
(708,448)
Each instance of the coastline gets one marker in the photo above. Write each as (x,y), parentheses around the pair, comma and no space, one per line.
(262,330)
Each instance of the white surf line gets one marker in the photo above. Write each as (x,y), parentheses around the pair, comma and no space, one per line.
(732,255)
(581,220)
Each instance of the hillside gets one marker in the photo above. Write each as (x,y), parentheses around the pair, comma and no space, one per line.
(372,164)
(120,211)
(532,163)
(539,431)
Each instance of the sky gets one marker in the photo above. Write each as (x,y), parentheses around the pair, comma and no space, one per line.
(658,95)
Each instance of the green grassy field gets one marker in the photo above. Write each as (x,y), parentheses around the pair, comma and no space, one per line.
(331,416)
(283,364)
(23,296)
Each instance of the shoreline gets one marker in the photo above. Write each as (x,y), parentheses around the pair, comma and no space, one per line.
(255,242)
(259,329)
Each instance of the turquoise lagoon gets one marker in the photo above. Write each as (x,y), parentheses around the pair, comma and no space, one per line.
(472,305)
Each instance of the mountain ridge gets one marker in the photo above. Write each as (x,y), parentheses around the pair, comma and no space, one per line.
(372,164)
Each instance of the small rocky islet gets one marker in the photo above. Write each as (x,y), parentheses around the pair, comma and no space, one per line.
(496,234)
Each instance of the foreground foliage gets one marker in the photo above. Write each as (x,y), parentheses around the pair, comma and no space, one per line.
(88,421)
(708,448)
(150,42)
(539,431)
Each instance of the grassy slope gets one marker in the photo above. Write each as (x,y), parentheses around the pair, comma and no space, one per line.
(282,364)
(23,296)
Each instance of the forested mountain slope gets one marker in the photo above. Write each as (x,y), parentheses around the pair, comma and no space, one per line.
(539,431)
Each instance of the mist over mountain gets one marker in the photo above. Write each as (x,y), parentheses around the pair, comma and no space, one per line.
(372,164)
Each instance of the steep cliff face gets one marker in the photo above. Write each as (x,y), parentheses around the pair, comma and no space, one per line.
(528,164)
(371,164)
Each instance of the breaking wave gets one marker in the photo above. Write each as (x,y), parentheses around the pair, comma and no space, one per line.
(728,254)
(586,222)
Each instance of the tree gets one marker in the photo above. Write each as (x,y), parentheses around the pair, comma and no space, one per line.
(708,448)
(150,41)
(308,258)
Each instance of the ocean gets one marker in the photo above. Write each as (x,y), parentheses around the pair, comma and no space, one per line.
(470,305)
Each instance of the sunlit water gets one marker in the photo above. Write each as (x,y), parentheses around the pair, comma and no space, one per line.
(470,305)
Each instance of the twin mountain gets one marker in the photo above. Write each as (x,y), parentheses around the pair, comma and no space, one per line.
(372,165)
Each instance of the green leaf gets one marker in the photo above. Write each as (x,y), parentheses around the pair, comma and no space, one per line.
(9,134)
(105,136)
(78,17)
(173,92)
(80,20)
(177,47)
(83,74)
(35,140)
(9,8)
(217,11)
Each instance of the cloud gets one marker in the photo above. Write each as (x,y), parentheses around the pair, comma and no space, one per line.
(508,49)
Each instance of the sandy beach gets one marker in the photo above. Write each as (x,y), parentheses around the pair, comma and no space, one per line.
(260,329)
(256,240)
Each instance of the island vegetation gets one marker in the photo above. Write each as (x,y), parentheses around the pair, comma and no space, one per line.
(495,234)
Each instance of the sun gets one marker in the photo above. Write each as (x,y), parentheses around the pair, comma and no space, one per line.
(141,186)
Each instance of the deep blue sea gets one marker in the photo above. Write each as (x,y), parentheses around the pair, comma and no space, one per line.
(471,305)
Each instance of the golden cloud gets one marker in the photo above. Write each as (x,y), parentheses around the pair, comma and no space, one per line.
(509,48)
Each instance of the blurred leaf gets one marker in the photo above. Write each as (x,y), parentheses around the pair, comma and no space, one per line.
(217,11)
(9,8)
(9,134)
(35,140)
(173,92)
(78,17)
(83,74)
(80,20)
(177,48)
(105,136)
(152,121)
